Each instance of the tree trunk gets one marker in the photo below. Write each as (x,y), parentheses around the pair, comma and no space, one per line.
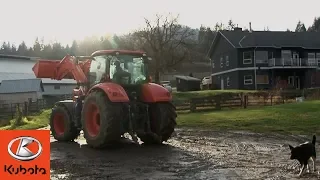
(157,76)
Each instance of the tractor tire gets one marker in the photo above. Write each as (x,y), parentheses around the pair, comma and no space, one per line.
(101,120)
(61,125)
(163,121)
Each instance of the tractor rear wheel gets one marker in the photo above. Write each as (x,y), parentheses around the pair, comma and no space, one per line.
(101,120)
(61,125)
(163,121)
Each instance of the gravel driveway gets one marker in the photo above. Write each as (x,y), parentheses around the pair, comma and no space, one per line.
(190,154)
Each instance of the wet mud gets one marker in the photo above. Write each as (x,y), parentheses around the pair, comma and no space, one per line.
(190,154)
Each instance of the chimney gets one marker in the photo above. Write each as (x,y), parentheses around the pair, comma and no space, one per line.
(237,29)
(250,29)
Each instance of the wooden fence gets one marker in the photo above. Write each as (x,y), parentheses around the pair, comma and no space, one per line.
(216,102)
(7,111)
(243,100)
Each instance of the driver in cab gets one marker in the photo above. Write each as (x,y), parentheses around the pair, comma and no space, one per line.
(120,73)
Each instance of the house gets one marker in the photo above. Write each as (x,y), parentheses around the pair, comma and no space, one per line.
(20,67)
(265,59)
(21,90)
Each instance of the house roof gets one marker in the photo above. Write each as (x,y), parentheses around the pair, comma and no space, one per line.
(188,78)
(22,85)
(276,39)
(15,76)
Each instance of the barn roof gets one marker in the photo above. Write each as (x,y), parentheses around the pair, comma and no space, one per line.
(8,56)
(21,85)
(187,78)
(15,76)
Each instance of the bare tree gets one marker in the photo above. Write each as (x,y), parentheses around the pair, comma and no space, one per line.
(166,41)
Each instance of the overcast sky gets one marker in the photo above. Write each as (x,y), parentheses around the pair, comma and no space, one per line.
(65,20)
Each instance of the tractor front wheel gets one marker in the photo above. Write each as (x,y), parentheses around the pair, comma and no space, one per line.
(61,125)
(162,121)
(101,120)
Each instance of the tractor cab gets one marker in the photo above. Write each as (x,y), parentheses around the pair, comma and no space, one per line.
(130,70)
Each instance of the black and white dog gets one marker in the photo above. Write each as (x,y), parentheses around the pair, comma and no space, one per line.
(303,153)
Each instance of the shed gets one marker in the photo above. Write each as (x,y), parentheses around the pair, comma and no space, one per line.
(21,90)
(187,83)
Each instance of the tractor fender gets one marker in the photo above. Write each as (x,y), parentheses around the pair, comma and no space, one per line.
(114,91)
(69,104)
(152,93)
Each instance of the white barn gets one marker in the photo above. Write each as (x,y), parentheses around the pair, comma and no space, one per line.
(20,67)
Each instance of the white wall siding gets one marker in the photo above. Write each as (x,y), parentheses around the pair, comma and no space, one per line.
(16,65)
(19,97)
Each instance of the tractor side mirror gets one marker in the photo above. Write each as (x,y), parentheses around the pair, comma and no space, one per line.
(146,60)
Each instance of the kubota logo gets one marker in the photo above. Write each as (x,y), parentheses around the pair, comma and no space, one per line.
(24,148)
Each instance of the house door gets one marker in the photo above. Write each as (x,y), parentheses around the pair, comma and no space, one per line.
(295,59)
(294,82)
(222,84)
(297,82)
(291,81)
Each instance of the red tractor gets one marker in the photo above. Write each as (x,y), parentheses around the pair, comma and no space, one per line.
(114,96)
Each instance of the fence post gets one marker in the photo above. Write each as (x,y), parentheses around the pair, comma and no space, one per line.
(241,99)
(218,102)
(192,105)
(245,103)
(37,104)
(25,111)
(12,112)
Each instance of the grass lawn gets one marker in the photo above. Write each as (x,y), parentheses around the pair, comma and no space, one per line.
(32,122)
(297,118)
(193,94)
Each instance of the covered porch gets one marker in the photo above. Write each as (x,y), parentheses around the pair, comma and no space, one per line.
(285,79)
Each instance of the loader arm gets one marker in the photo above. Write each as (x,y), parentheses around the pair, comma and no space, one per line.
(64,69)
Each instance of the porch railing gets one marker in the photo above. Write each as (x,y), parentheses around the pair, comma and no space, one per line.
(301,62)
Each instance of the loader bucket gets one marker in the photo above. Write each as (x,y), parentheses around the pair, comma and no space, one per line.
(45,68)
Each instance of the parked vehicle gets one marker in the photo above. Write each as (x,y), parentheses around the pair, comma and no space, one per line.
(167,85)
(206,82)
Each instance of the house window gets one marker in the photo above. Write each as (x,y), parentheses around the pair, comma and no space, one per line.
(247,57)
(228,81)
(313,79)
(261,57)
(270,55)
(227,60)
(247,80)
(311,59)
(318,58)
(56,86)
(286,54)
(262,79)
(221,62)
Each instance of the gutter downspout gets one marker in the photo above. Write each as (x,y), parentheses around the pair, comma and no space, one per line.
(255,68)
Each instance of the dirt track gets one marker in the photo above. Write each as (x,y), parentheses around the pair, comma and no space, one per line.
(189,154)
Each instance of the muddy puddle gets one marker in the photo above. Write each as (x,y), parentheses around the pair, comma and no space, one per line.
(190,154)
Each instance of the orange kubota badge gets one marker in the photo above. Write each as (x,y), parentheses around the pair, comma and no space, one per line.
(25,154)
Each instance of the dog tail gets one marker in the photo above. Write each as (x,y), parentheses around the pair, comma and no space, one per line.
(314,139)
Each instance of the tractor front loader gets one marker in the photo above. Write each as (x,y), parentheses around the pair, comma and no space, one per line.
(114,96)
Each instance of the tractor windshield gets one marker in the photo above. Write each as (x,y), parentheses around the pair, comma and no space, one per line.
(128,69)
